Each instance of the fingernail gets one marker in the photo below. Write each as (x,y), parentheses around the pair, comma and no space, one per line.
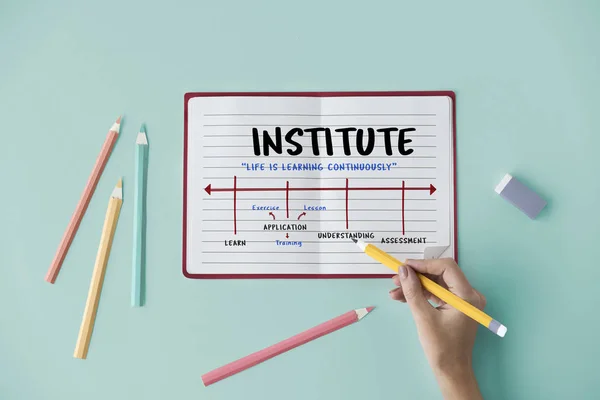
(402,272)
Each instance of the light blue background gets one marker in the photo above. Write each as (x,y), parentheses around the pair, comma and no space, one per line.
(527,79)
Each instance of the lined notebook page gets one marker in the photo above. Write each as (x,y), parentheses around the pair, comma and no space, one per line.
(282,213)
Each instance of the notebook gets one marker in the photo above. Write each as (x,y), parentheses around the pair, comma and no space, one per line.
(276,185)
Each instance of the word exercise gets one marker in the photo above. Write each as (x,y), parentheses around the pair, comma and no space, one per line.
(278,186)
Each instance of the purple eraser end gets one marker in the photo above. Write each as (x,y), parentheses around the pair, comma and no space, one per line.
(520,196)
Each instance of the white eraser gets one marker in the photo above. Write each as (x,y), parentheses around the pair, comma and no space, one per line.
(520,196)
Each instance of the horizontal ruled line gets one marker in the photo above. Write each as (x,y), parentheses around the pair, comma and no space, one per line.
(293,263)
(302,231)
(236,167)
(311,125)
(291,178)
(249,146)
(319,115)
(328,209)
(315,198)
(304,241)
(246,135)
(303,252)
(318,157)
(318,220)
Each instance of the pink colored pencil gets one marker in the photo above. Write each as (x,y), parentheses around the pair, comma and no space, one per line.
(86,196)
(256,358)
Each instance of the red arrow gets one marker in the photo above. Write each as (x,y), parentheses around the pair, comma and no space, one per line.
(209,189)
(301,215)
(272,215)
(287,235)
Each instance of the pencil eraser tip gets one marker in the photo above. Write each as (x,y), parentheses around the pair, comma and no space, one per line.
(502,331)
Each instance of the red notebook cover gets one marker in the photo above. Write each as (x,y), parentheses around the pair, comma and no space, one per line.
(192,95)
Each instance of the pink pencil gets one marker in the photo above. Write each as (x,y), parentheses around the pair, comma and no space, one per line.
(86,196)
(256,358)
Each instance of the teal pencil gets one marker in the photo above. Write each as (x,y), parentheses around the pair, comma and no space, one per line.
(139,234)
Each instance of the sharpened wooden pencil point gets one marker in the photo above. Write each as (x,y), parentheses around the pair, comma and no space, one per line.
(141,137)
(116,126)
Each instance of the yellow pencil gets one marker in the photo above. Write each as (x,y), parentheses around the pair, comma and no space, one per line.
(435,289)
(91,306)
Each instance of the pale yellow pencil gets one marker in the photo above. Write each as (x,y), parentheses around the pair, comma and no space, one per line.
(91,306)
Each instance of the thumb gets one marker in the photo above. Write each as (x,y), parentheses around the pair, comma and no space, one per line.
(413,292)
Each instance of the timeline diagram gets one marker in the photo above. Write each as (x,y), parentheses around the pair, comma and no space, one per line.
(287,189)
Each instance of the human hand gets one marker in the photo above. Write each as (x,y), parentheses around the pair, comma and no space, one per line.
(446,334)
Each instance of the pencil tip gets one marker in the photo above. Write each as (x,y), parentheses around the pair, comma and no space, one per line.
(116,127)
(362,312)
(141,137)
(354,240)
(117,192)
(143,128)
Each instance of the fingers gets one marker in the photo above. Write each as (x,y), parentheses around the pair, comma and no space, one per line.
(396,280)
(398,294)
(413,293)
(436,278)
(481,301)
(448,269)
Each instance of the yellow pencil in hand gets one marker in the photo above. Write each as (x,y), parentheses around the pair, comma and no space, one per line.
(435,289)
(91,306)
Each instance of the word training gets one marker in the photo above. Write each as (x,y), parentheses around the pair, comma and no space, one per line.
(364,142)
